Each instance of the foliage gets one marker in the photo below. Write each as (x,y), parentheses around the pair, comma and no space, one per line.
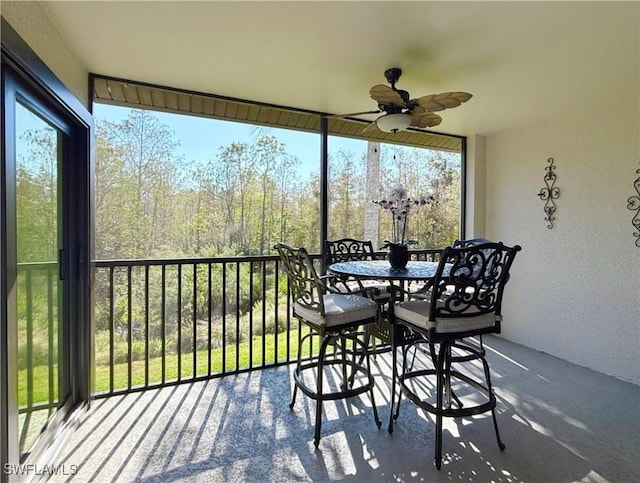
(152,202)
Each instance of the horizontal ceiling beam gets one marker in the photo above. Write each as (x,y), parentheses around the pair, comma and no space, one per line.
(126,93)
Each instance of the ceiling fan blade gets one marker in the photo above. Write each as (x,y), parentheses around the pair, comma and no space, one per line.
(386,96)
(427,119)
(351,114)
(417,110)
(372,126)
(440,102)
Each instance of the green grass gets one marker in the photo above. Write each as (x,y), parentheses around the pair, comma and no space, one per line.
(121,375)
(40,374)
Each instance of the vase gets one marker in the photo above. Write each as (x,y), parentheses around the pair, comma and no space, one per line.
(398,256)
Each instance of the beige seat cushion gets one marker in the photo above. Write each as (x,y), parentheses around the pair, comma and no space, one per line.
(416,312)
(339,309)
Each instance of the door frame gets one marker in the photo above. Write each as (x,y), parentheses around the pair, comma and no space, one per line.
(23,68)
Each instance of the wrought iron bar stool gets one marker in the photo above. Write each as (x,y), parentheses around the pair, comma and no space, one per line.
(337,320)
(466,301)
(350,249)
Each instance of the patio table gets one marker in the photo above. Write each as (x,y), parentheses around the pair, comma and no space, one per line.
(381,270)
(421,271)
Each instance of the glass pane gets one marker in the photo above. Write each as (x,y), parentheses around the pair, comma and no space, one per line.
(38,155)
(176,186)
(173,185)
(361,172)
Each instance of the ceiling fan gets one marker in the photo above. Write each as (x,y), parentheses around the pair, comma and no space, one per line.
(401,112)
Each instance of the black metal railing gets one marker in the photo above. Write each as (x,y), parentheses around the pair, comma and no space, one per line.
(166,321)
(161,322)
(37,344)
(37,296)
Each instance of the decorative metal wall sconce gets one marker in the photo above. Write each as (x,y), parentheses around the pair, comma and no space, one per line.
(549,193)
(634,204)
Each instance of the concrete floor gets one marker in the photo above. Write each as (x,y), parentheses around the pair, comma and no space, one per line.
(560,423)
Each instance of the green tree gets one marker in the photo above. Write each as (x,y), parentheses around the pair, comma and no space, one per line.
(268,154)
(346,199)
(146,152)
(37,195)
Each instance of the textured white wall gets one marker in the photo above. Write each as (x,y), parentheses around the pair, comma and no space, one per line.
(575,289)
(35,28)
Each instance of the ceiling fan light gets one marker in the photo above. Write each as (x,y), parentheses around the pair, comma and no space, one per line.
(393,122)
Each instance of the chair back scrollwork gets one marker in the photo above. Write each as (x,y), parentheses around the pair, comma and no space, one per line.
(470,280)
(347,249)
(304,282)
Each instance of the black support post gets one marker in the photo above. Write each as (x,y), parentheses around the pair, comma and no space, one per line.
(324,188)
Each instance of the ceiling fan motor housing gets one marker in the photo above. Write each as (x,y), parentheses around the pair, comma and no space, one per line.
(390,108)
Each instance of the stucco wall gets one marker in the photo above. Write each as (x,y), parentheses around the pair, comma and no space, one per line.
(35,28)
(575,289)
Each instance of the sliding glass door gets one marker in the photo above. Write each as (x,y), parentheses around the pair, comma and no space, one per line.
(40,141)
(45,289)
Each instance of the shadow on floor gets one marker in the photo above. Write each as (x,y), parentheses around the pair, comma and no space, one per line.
(560,423)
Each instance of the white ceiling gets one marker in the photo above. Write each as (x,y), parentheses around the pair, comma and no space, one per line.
(523,61)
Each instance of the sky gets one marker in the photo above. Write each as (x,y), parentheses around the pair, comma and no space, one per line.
(201,137)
